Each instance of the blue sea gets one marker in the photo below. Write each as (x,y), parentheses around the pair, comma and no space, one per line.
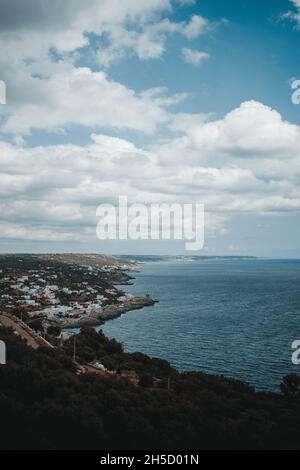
(236,317)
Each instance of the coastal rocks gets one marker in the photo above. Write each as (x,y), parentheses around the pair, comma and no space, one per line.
(110,312)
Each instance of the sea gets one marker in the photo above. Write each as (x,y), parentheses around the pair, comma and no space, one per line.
(236,317)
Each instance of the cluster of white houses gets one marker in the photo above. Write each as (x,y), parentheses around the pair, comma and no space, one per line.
(39,293)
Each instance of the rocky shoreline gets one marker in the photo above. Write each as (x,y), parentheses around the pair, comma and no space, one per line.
(109,312)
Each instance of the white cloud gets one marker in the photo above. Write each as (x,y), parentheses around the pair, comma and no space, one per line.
(45,88)
(29,32)
(182,122)
(150,41)
(79,96)
(194,57)
(197,25)
(246,162)
(252,131)
(63,25)
(293,15)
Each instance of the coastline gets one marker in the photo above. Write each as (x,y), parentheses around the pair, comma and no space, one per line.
(109,313)
(113,311)
(67,291)
(90,361)
(56,293)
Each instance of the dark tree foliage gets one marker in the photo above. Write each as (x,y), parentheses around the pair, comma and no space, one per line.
(54,330)
(290,386)
(36,324)
(46,404)
(91,345)
(146,381)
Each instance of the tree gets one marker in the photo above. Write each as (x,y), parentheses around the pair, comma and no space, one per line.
(146,381)
(36,324)
(290,386)
(54,330)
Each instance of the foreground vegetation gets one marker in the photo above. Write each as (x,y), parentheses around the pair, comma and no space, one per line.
(45,403)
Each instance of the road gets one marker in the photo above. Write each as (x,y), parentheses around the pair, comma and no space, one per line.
(23,330)
(35,341)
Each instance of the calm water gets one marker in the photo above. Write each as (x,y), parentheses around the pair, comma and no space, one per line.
(231,317)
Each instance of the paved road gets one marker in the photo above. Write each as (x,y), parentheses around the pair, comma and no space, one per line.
(23,330)
(35,341)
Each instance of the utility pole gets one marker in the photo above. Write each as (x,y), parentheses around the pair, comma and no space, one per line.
(169,384)
(74,349)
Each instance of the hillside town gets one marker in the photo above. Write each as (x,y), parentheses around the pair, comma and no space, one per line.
(66,290)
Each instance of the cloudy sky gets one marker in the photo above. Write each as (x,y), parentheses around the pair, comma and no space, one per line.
(159,100)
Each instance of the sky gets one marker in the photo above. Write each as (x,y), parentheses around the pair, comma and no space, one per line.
(163,101)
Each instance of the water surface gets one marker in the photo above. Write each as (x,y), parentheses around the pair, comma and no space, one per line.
(231,317)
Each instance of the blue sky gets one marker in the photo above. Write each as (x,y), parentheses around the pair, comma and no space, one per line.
(159,100)
(253,56)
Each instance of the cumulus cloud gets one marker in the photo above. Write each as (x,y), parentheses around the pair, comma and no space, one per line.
(253,132)
(294,14)
(30,29)
(246,162)
(198,25)
(194,57)
(183,122)
(48,90)
(79,96)
(150,41)
(63,25)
